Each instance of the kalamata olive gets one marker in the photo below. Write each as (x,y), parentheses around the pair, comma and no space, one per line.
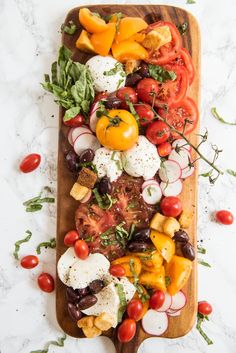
(141,234)
(96,286)
(138,246)
(188,251)
(72,295)
(83,291)
(113,103)
(87,301)
(143,71)
(86,156)
(72,161)
(105,186)
(133,79)
(181,236)
(74,311)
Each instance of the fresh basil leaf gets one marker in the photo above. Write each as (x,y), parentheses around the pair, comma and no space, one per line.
(46,244)
(183,28)
(117,68)
(105,202)
(59,343)
(122,298)
(204,263)
(19,242)
(70,28)
(34,208)
(71,113)
(231,172)
(219,118)
(160,74)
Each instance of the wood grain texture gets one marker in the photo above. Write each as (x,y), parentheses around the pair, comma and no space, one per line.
(66,206)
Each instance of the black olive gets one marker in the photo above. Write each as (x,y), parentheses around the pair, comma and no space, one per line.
(181,236)
(96,286)
(87,156)
(138,246)
(132,79)
(74,311)
(141,234)
(105,186)
(143,71)
(83,291)
(188,251)
(72,161)
(87,301)
(72,295)
(113,103)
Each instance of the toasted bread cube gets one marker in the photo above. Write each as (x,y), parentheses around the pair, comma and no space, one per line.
(131,65)
(157,37)
(170,226)
(78,191)
(86,322)
(185,219)
(91,332)
(87,178)
(104,321)
(157,222)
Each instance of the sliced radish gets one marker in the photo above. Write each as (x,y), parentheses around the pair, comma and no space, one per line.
(93,119)
(170,171)
(181,143)
(173,313)
(167,303)
(86,197)
(70,137)
(182,157)
(152,194)
(78,131)
(171,189)
(187,172)
(85,141)
(149,182)
(179,300)
(155,323)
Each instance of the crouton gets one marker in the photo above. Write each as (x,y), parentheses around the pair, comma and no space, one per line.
(87,178)
(86,322)
(185,219)
(170,226)
(131,65)
(91,332)
(104,321)
(157,222)
(157,37)
(78,192)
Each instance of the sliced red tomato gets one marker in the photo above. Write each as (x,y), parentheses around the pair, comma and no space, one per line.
(184,59)
(182,114)
(169,51)
(173,92)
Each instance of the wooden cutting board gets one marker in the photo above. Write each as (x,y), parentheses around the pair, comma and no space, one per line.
(178,326)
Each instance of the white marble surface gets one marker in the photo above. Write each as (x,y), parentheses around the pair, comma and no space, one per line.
(29,39)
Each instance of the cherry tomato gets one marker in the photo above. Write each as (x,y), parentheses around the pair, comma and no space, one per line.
(157,132)
(184,59)
(127,92)
(145,113)
(177,115)
(157,299)
(134,309)
(147,90)
(224,217)
(29,261)
(171,206)
(204,308)
(77,121)
(117,271)
(46,282)
(30,163)
(126,330)
(81,249)
(71,237)
(164,149)
(100,96)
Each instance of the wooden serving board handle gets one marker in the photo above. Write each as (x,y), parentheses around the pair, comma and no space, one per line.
(178,326)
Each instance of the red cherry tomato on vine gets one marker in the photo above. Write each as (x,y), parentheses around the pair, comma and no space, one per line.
(77,121)
(117,270)
(71,237)
(147,89)
(224,217)
(81,249)
(29,261)
(164,149)
(128,92)
(126,330)
(134,309)
(145,113)
(157,132)
(157,299)
(204,308)
(171,206)
(30,163)
(46,282)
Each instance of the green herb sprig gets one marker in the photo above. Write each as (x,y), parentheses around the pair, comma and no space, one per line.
(118,68)
(160,74)
(59,343)
(105,202)
(70,28)
(19,242)
(46,244)
(200,320)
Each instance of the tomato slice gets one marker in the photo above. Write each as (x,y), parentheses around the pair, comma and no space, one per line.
(173,92)
(177,114)
(184,59)
(169,51)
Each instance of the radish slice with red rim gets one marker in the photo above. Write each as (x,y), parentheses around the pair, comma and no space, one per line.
(78,131)
(181,143)
(84,141)
(187,172)
(167,303)
(170,171)
(174,313)
(70,136)
(171,189)
(149,182)
(87,197)
(155,323)
(152,194)
(179,300)
(182,157)
(93,119)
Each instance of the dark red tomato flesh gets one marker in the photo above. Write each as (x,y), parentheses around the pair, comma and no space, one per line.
(173,91)
(30,163)
(29,261)
(157,299)
(81,249)
(127,92)
(46,282)
(184,59)
(157,132)
(100,96)
(71,237)
(147,90)
(126,330)
(204,308)
(77,121)
(171,206)
(117,270)
(164,149)
(134,309)
(169,51)
(145,113)
(178,114)
(224,217)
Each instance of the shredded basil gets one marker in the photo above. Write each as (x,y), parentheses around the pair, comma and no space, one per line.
(70,28)
(231,172)
(35,204)
(167,281)
(121,80)
(46,244)
(219,118)
(191,2)
(105,202)
(132,109)
(59,343)
(89,239)
(144,297)
(122,298)
(204,263)
(119,16)
(88,164)
(96,14)
(201,250)
(200,319)
(207,174)
(19,242)
(118,68)
(160,74)
(183,28)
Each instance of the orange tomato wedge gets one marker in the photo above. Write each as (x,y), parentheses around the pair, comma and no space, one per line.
(128,50)
(90,22)
(102,41)
(129,26)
